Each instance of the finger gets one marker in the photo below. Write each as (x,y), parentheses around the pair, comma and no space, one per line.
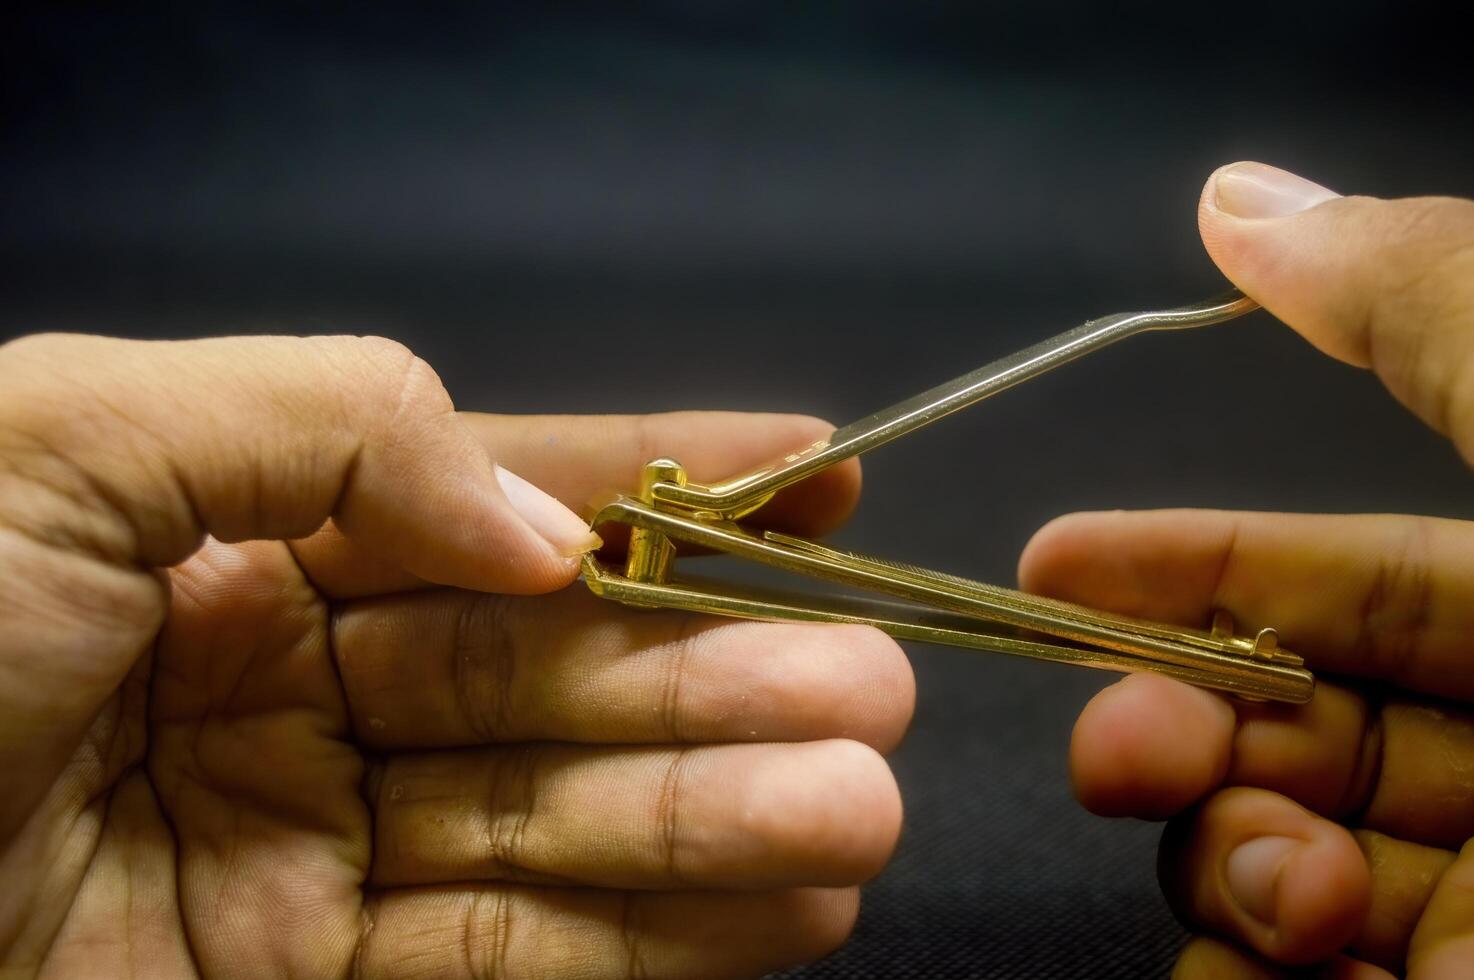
(1205,958)
(576,457)
(450,668)
(133,451)
(461,933)
(1381,597)
(611,449)
(1372,595)
(1382,284)
(1255,867)
(116,456)
(721,816)
(1443,944)
(1149,747)
(1404,876)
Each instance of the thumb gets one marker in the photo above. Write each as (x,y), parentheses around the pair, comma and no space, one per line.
(1383,284)
(132,451)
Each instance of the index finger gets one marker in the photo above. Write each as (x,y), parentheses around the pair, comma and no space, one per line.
(1379,596)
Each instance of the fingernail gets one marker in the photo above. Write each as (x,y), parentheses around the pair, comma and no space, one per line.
(1252,874)
(558,525)
(1257,190)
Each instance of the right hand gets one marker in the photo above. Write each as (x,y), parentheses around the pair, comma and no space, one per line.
(1336,832)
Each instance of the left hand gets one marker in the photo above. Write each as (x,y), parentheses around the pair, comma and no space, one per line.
(376,750)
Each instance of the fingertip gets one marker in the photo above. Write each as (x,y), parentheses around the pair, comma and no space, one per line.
(1149,747)
(1059,552)
(1269,873)
(888,687)
(482,542)
(1220,232)
(561,528)
(1323,896)
(830,811)
(824,919)
(866,831)
(825,501)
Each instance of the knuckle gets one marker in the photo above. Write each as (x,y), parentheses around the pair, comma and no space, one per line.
(402,383)
(1396,610)
(1423,258)
(512,796)
(1422,292)
(484,652)
(1435,223)
(631,929)
(486,933)
(681,651)
(668,810)
(382,354)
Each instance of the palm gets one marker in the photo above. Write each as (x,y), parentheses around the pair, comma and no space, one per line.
(232,835)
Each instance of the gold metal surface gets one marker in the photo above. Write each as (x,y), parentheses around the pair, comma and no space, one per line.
(934,607)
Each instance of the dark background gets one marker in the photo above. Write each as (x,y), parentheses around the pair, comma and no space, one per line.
(769,206)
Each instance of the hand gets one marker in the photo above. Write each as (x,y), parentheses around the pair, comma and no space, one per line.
(1336,831)
(367,751)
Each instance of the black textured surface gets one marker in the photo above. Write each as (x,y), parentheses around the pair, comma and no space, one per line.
(536,198)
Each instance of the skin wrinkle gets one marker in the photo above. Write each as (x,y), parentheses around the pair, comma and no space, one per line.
(83,815)
(1402,585)
(666,812)
(110,598)
(484,638)
(373,786)
(647,439)
(187,936)
(368,919)
(432,405)
(629,934)
(1229,551)
(1408,282)
(88,496)
(1367,772)
(129,910)
(369,810)
(304,612)
(686,637)
(348,474)
(191,536)
(502,920)
(508,844)
(470,929)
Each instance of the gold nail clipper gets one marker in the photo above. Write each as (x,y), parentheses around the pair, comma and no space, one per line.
(924,605)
